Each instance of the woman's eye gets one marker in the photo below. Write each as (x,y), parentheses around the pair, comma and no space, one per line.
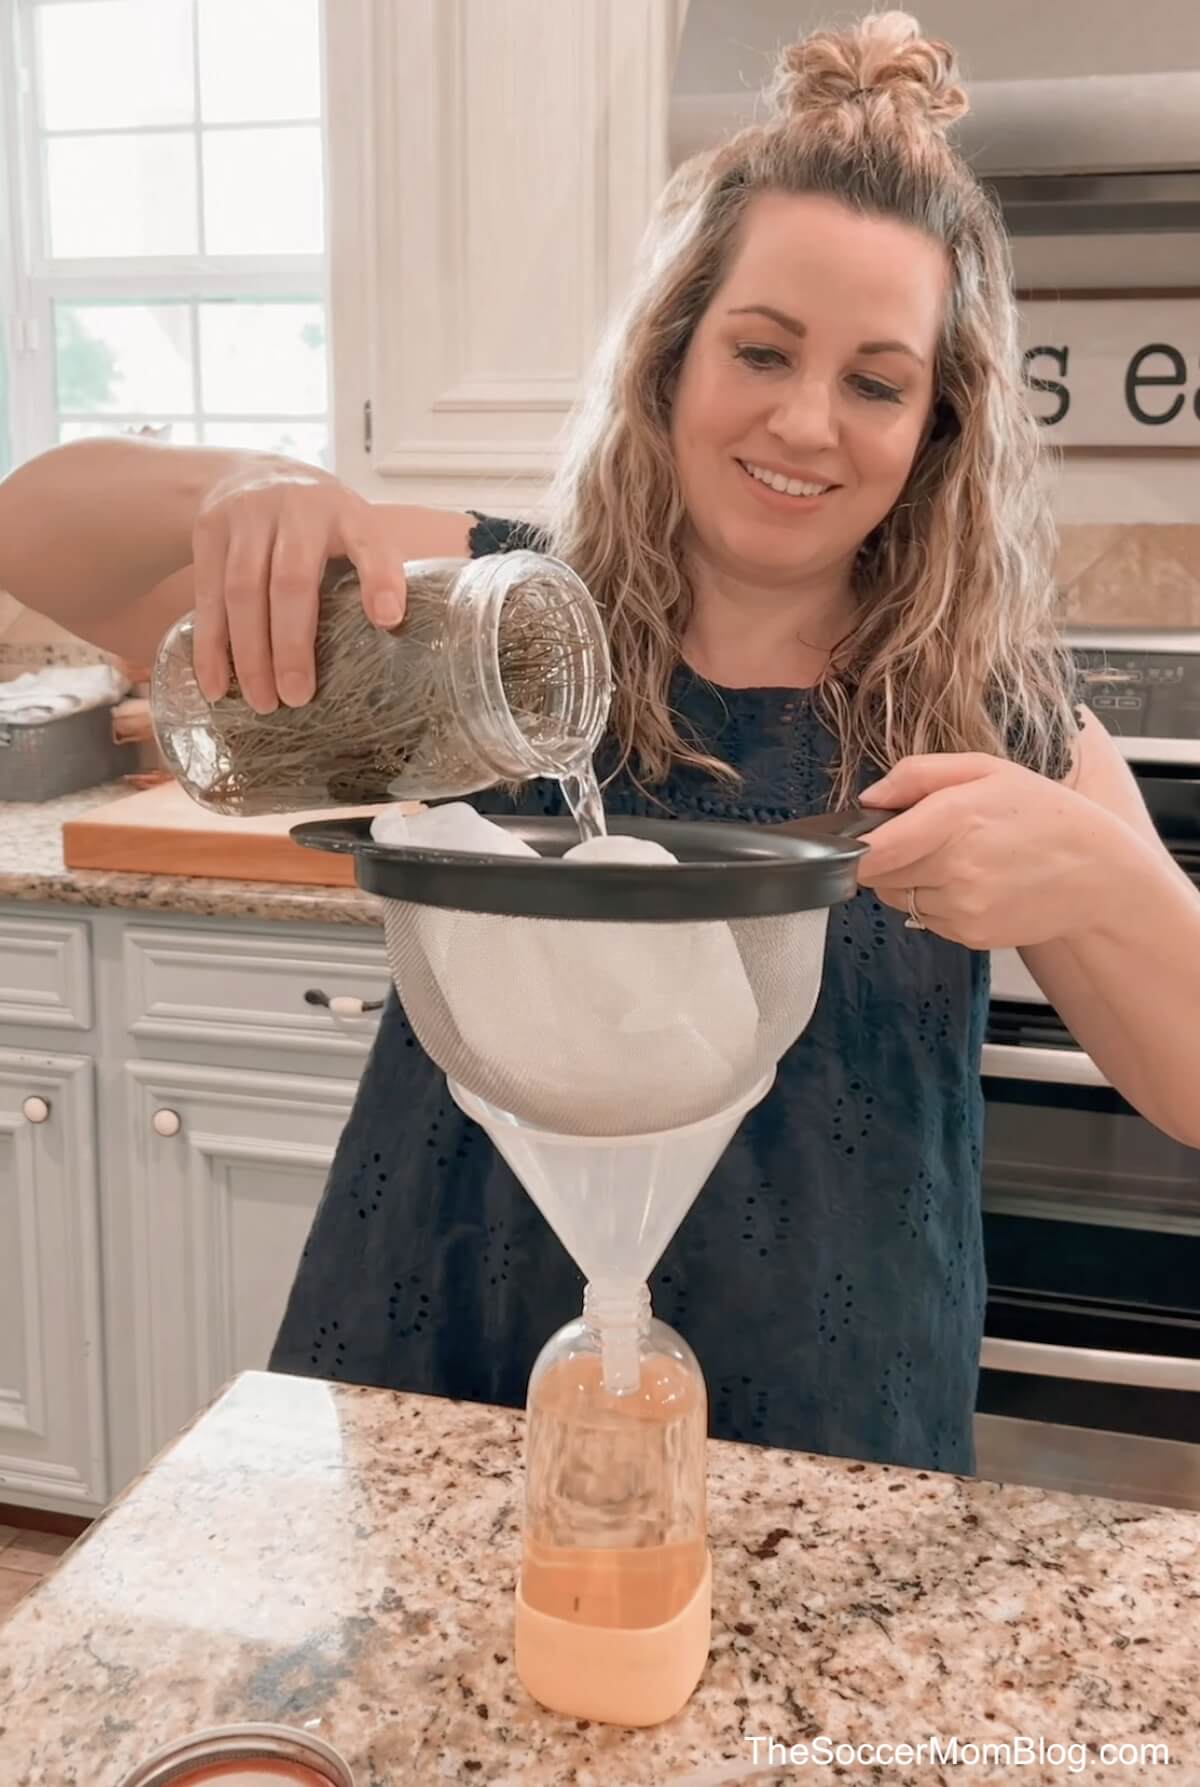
(761,359)
(876,391)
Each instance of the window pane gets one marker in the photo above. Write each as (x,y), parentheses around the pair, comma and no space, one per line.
(114,62)
(112,196)
(262,191)
(308,441)
(263,358)
(132,358)
(174,434)
(259,59)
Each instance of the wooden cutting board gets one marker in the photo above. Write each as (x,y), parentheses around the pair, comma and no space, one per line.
(162,831)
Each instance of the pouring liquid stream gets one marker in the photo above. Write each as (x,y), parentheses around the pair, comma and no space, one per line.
(581,791)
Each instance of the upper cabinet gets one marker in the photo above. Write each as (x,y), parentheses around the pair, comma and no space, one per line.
(491,171)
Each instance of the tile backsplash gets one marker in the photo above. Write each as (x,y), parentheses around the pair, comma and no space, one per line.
(29,640)
(1139,575)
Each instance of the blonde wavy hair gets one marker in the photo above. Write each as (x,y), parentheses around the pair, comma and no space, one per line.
(954,646)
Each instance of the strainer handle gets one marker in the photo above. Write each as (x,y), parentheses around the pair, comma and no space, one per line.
(853,822)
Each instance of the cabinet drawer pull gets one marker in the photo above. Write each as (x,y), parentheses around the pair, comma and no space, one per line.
(35,1110)
(167,1123)
(342,1005)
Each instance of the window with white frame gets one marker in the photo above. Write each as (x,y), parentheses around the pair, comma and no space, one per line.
(166,266)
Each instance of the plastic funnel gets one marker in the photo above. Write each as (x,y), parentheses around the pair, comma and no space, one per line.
(615,1201)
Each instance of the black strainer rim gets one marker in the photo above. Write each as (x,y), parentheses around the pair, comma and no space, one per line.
(727,871)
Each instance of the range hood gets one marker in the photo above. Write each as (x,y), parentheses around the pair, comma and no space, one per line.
(1070,154)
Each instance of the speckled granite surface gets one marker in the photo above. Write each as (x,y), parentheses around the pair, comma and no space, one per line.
(31,868)
(16,659)
(341,1558)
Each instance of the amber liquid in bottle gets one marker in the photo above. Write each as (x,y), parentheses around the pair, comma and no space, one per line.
(615,1527)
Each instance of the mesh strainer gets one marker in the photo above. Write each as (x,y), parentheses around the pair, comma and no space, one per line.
(597,999)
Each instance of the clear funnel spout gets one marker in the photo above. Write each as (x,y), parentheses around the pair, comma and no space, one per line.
(621,1315)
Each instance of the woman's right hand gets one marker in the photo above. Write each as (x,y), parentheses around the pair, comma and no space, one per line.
(260,544)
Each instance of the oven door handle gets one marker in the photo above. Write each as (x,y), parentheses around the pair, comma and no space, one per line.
(1060,1067)
(1142,1371)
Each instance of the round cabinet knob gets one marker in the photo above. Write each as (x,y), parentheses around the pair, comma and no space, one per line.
(35,1110)
(167,1123)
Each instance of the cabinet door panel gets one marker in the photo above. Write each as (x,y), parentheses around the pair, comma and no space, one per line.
(45,972)
(51,1380)
(226,1173)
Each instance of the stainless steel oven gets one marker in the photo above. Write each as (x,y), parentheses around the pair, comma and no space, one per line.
(1090,1373)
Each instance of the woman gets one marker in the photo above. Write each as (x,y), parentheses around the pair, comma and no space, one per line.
(805,492)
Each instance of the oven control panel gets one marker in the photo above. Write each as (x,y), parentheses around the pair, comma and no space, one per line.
(1142,685)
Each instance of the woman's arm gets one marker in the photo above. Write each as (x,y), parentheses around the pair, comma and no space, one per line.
(1127,982)
(115,539)
(1074,877)
(88,531)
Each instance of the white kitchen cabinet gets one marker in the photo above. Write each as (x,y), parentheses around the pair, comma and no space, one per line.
(45,973)
(491,171)
(261,992)
(225,1172)
(157,1184)
(52,1430)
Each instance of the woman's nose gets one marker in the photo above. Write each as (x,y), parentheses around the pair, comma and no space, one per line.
(805,419)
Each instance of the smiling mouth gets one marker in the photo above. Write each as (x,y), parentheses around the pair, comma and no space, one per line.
(796,487)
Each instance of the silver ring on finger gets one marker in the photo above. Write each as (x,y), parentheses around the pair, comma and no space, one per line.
(914,921)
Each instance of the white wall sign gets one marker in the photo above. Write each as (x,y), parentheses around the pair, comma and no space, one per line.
(1114,372)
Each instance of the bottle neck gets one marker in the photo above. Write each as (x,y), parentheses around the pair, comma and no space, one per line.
(611,1303)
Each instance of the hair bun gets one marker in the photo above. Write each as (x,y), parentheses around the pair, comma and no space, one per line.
(884,56)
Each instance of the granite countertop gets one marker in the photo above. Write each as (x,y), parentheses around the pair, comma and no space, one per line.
(32,868)
(343,1559)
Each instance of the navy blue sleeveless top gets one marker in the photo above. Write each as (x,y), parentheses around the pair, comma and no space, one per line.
(829,1276)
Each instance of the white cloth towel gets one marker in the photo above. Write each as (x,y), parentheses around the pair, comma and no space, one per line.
(588,1008)
(60,689)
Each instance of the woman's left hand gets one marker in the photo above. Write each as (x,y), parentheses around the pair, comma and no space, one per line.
(991,855)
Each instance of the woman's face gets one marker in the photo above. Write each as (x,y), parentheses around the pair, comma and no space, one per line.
(807,387)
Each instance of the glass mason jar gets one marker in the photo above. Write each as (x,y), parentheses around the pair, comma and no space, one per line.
(614,1602)
(499,672)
